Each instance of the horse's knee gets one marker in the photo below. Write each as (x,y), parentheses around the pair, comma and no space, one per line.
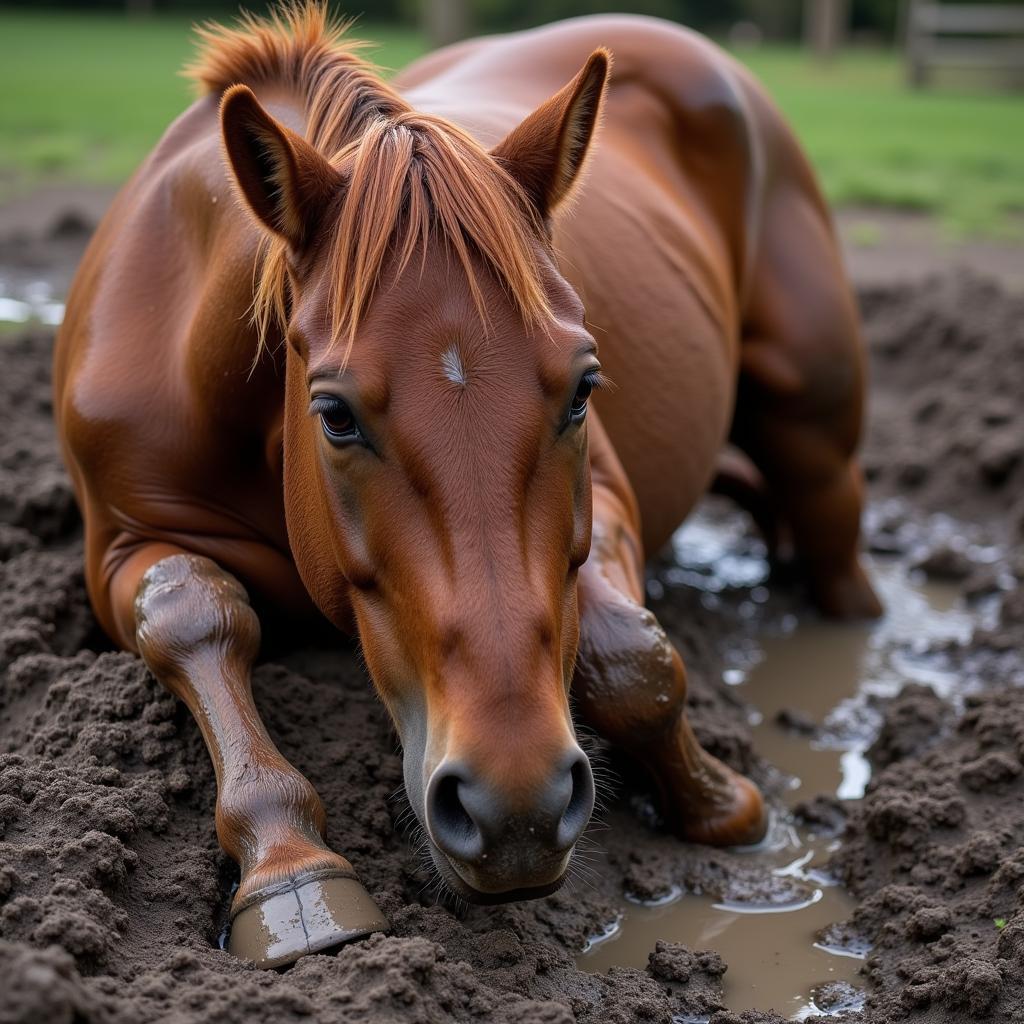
(186,605)
(630,680)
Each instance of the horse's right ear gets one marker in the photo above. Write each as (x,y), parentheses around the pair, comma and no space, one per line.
(545,154)
(284,180)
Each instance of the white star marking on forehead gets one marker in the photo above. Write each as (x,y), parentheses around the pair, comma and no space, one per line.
(451,363)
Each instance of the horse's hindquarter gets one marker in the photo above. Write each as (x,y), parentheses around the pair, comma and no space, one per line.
(659,239)
(661,304)
(166,434)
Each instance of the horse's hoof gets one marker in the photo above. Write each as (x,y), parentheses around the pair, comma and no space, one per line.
(311,914)
(849,598)
(742,822)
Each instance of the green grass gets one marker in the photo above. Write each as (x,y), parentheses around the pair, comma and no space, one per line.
(958,153)
(84,96)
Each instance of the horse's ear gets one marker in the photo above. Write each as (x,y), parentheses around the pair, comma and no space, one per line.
(284,180)
(546,152)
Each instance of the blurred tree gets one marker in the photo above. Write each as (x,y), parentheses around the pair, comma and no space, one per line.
(878,18)
(777,19)
(825,26)
(445,21)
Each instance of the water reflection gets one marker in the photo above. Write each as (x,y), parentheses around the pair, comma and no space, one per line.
(814,686)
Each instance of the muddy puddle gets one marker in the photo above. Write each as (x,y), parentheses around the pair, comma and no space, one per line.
(812,688)
(777,959)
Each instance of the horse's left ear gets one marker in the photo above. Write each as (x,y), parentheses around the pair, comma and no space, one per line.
(284,180)
(546,152)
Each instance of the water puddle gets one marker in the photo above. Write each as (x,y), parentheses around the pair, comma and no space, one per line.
(28,302)
(776,960)
(829,672)
(811,685)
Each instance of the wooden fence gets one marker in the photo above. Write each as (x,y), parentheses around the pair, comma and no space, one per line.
(988,37)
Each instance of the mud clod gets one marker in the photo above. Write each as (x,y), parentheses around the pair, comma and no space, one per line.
(914,721)
(945,562)
(694,978)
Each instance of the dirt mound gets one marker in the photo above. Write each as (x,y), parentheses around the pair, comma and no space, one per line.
(933,850)
(945,421)
(936,851)
(113,890)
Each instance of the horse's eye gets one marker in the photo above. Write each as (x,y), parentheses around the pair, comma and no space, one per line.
(578,409)
(336,417)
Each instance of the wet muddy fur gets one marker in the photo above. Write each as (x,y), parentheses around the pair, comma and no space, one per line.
(113,889)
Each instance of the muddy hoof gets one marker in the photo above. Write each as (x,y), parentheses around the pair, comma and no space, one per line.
(312,914)
(742,823)
(849,598)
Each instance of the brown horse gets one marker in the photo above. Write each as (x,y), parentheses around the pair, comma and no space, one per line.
(402,440)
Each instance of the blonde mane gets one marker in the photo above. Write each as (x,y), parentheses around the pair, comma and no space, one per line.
(411,178)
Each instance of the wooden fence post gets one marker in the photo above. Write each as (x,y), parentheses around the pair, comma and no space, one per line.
(445,21)
(825,24)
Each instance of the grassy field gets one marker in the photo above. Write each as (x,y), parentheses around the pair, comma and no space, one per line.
(957,152)
(83,97)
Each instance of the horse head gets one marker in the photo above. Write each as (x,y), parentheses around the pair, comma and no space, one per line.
(437,486)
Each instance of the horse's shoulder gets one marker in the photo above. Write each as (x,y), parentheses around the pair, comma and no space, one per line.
(157,315)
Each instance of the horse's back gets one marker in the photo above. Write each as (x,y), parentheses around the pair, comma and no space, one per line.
(666,242)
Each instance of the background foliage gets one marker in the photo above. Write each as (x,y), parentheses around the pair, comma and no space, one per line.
(85,93)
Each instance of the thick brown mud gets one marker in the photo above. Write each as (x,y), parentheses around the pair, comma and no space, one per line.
(113,890)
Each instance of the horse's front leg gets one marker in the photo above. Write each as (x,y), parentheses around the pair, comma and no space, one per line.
(630,683)
(196,631)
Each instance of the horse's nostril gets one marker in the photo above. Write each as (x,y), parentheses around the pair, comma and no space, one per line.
(473,822)
(451,826)
(581,803)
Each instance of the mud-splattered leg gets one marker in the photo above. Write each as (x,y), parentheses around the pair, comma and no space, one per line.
(199,636)
(630,683)
(800,401)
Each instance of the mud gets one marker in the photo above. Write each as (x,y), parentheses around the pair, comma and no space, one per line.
(810,709)
(113,891)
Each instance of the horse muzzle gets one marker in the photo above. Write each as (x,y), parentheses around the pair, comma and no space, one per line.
(498,848)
